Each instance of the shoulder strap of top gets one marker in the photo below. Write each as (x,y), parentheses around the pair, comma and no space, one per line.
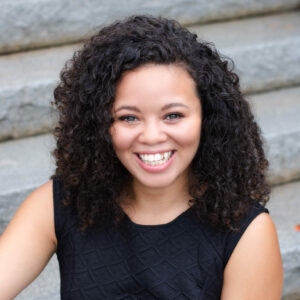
(59,208)
(233,237)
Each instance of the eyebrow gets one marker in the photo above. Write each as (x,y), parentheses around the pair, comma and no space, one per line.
(167,106)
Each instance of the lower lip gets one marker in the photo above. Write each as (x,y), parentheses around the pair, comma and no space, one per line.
(158,168)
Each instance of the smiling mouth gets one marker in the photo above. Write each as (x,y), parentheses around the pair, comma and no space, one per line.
(155,159)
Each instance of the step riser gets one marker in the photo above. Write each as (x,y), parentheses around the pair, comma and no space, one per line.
(283,153)
(26,111)
(284,209)
(45,23)
(292,274)
(269,66)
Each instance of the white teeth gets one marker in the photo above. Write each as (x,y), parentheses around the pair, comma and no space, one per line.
(158,156)
(155,159)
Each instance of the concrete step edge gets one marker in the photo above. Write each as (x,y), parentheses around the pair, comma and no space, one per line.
(26,24)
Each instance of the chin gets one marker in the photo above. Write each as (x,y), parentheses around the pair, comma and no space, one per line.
(158,183)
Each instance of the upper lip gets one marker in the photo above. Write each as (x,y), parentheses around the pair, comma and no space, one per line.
(154,152)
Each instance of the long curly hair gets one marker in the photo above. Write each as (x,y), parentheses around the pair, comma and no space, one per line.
(229,168)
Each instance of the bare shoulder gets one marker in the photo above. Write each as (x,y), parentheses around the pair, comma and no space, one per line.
(28,242)
(36,209)
(40,202)
(43,193)
(254,270)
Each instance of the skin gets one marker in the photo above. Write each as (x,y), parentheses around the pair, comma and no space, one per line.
(28,242)
(254,270)
(157,109)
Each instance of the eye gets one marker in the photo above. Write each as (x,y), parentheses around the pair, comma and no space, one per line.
(174,116)
(128,119)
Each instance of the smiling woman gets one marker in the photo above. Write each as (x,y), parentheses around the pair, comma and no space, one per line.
(157,126)
(160,186)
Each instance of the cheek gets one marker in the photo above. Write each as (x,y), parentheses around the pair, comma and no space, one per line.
(189,135)
(121,138)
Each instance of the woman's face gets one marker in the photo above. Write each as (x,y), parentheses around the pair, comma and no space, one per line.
(157,124)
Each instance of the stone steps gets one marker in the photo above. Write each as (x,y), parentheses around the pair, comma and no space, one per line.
(24,165)
(27,83)
(278,114)
(284,207)
(264,46)
(28,24)
(265,50)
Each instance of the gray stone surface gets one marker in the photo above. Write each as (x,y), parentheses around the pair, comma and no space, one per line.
(27,83)
(295,296)
(278,114)
(28,80)
(284,208)
(24,165)
(265,49)
(266,53)
(34,23)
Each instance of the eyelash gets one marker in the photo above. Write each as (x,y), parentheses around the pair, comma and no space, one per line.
(125,118)
(178,116)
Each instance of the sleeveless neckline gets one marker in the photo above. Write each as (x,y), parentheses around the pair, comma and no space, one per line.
(158,226)
(181,258)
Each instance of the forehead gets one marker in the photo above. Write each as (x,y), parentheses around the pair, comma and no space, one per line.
(155,83)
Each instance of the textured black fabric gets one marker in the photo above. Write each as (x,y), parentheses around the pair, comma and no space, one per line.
(183,259)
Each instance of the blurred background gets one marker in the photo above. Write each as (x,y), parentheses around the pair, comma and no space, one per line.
(261,36)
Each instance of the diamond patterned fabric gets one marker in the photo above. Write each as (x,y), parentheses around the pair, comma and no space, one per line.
(183,259)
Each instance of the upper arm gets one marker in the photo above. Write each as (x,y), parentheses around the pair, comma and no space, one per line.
(28,242)
(254,270)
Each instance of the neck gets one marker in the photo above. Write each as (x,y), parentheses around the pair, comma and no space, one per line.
(153,201)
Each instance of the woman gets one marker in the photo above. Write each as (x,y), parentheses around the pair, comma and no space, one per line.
(160,186)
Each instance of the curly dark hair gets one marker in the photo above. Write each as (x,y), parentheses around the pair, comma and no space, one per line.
(229,168)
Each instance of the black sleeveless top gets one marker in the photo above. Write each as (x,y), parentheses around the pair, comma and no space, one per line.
(183,259)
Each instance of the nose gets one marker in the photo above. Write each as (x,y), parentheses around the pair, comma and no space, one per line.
(152,133)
